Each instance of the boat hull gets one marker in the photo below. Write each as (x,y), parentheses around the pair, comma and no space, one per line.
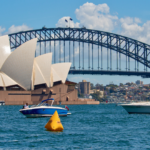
(137,109)
(43,112)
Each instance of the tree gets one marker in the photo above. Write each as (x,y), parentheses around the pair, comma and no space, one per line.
(97,86)
(128,83)
(112,90)
(92,86)
(80,95)
(97,95)
(121,84)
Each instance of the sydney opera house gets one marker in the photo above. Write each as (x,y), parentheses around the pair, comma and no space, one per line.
(26,78)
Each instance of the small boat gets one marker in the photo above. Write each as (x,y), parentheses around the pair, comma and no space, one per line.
(137,108)
(2,103)
(43,109)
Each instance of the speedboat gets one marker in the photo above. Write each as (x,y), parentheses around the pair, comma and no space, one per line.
(2,103)
(137,108)
(43,109)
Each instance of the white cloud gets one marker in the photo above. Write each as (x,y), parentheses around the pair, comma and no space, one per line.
(96,17)
(62,23)
(136,31)
(137,20)
(14,29)
(91,9)
(1,30)
(129,20)
(91,16)
(126,20)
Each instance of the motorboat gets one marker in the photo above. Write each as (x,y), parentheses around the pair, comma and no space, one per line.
(2,103)
(137,108)
(43,109)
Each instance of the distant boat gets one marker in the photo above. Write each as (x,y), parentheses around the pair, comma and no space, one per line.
(2,103)
(43,110)
(137,108)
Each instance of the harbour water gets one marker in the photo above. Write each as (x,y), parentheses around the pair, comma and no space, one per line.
(89,127)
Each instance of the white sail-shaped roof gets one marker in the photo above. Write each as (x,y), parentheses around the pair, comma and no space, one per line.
(61,69)
(1,81)
(44,63)
(21,68)
(51,78)
(56,76)
(38,76)
(19,64)
(7,80)
(4,49)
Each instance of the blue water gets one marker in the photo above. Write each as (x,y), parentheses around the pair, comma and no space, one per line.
(89,127)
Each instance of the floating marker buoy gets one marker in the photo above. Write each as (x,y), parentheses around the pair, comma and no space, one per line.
(54,124)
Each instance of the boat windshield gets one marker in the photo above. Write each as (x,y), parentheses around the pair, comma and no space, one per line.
(44,103)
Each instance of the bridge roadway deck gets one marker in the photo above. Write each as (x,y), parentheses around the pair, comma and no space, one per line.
(106,72)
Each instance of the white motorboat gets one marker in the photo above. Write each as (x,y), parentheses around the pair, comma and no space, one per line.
(137,108)
(2,103)
(44,110)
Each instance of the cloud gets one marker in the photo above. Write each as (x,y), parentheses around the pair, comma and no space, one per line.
(96,17)
(1,30)
(129,20)
(14,29)
(130,27)
(136,31)
(91,16)
(62,23)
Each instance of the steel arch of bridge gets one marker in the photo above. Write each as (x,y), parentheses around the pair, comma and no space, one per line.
(122,45)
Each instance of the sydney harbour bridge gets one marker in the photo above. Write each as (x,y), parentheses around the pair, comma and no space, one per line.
(90,51)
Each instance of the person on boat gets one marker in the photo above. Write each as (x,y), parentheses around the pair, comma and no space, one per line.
(47,103)
(27,106)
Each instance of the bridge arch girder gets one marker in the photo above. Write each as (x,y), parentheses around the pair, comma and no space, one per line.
(132,48)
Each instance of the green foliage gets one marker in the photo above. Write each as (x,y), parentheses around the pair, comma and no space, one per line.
(99,86)
(96,96)
(80,95)
(128,83)
(121,84)
(92,86)
(112,85)
(112,90)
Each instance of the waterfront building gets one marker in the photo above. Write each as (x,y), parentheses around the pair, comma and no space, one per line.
(96,90)
(26,78)
(138,82)
(84,87)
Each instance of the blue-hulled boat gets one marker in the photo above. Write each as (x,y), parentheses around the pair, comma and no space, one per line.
(43,109)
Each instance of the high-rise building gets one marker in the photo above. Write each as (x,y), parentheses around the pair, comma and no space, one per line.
(84,87)
(138,82)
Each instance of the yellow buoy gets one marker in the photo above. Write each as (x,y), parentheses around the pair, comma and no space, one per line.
(54,124)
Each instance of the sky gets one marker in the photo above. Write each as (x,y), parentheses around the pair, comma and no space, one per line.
(129,18)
